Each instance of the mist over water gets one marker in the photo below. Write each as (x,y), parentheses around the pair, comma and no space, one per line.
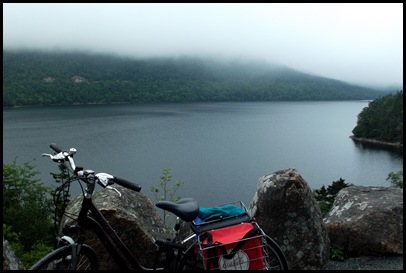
(359,43)
(219,150)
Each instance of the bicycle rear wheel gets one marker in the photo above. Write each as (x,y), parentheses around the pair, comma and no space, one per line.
(61,259)
(273,254)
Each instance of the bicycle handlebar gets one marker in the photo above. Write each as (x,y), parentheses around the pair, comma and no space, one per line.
(127,184)
(55,148)
(103,179)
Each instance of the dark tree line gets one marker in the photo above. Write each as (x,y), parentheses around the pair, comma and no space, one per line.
(46,78)
(382,120)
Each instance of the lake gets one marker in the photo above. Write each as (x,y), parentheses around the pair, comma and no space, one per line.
(219,150)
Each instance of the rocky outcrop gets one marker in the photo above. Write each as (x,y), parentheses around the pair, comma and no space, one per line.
(133,217)
(285,208)
(367,221)
(364,221)
(10,260)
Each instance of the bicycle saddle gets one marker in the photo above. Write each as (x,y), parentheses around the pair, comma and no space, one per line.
(186,209)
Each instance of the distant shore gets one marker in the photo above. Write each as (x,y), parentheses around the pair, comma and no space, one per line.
(378,142)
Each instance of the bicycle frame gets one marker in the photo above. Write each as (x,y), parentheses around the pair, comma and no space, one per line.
(111,241)
(99,224)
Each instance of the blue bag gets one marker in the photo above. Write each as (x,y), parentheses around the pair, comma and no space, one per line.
(213,213)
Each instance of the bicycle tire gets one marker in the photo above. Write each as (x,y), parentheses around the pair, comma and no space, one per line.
(60,259)
(273,254)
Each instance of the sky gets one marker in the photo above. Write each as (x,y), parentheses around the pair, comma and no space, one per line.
(355,43)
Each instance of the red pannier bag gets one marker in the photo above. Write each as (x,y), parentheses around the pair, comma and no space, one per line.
(237,247)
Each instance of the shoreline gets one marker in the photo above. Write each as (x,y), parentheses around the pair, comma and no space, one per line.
(378,142)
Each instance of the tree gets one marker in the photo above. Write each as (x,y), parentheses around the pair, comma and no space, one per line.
(26,204)
(325,197)
(27,210)
(37,78)
(396,179)
(168,193)
(382,119)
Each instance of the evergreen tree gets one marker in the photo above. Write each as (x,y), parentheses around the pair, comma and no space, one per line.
(382,120)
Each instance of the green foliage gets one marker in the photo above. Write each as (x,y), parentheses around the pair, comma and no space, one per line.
(26,204)
(325,197)
(9,234)
(337,253)
(382,120)
(165,191)
(26,210)
(396,179)
(28,258)
(40,78)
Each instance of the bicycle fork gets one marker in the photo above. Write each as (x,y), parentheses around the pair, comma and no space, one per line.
(75,250)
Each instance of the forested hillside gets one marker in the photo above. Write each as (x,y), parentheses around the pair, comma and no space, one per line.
(44,78)
(382,120)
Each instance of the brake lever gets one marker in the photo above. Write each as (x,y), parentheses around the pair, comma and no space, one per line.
(111,188)
(60,157)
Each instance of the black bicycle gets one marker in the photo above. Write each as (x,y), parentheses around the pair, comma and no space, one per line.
(197,251)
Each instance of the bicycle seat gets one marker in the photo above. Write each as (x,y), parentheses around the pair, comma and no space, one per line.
(186,209)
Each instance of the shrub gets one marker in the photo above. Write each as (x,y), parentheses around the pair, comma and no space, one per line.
(168,193)
(27,210)
(337,253)
(325,197)
(396,179)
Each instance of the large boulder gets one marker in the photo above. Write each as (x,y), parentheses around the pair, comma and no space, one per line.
(367,221)
(10,260)
(134,218)
(285,208)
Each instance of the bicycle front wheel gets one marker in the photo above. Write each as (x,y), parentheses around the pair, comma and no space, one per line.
(61,259)
(273,254)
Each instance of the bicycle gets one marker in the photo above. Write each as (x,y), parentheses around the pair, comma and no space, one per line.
(71,252)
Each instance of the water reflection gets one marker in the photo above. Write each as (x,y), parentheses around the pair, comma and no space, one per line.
(366,146)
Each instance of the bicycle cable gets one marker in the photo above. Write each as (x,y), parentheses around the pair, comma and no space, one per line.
(61,195)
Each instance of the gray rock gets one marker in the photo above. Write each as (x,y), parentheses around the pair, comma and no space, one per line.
(10,260)
(133,217)
(285,208)
(367,221)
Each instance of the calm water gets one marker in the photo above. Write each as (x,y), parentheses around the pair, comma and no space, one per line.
(219,150)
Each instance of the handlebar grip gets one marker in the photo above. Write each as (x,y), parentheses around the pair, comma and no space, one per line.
(127,184)
(55,147)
